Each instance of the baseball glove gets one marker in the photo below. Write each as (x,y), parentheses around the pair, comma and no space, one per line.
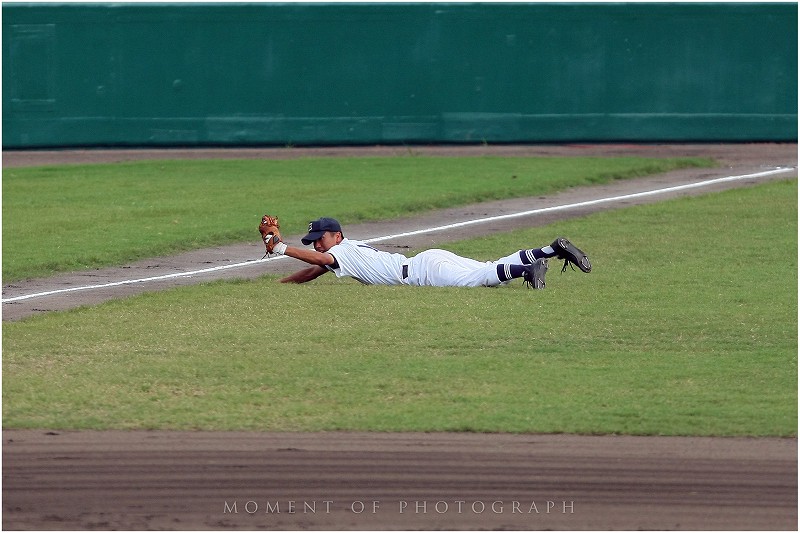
(270,230)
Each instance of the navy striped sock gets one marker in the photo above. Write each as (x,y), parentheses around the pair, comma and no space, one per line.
(529,256)
(507,272)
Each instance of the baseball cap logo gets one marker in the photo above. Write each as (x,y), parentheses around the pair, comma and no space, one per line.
(310,226)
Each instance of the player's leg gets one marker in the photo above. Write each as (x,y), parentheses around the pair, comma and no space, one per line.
(441,268)
(560,248)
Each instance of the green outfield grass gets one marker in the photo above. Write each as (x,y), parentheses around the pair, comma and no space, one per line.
(63,218)
(686,326)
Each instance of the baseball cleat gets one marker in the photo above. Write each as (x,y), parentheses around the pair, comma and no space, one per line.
(571,254)
(534,274)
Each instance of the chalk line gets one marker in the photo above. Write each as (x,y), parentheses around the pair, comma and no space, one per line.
(484,220)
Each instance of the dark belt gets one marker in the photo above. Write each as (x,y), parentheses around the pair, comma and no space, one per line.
(405,271)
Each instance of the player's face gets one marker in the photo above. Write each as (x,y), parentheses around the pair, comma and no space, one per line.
(327,241)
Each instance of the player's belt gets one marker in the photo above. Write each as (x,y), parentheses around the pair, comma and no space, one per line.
(405,271)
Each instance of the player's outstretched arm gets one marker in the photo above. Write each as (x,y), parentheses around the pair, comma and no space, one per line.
(312,257)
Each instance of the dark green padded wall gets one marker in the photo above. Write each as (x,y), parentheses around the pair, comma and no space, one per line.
(237,74)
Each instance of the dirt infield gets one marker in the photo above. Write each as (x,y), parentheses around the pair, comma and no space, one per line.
(141,480)
(337,481)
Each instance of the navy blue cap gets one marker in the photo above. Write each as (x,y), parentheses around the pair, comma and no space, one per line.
(317,228)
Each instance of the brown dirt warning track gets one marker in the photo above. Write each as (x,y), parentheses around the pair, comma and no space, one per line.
(141,480)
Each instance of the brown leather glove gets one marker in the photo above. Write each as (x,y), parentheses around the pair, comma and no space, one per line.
(270,230)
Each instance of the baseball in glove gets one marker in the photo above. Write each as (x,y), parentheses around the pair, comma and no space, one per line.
(270,233)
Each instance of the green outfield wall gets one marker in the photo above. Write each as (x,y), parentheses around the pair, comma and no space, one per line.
(291,74)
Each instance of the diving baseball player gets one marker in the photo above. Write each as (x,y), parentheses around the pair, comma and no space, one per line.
(438,268)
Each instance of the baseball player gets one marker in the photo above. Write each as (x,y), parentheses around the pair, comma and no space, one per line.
(438,268)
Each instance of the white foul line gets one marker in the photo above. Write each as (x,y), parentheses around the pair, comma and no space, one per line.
(417,232)
(583,204)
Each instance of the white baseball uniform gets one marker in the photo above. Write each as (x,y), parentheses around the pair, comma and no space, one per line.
(438,268)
